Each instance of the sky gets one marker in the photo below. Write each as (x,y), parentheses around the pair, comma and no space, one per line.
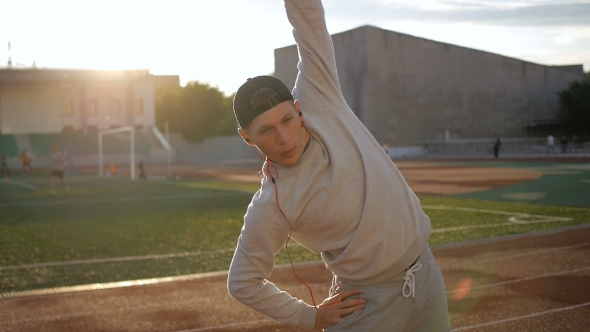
(223,42)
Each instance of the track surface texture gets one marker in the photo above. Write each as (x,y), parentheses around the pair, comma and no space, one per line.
(535,282)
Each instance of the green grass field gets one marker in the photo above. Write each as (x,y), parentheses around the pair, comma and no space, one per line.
(114,229)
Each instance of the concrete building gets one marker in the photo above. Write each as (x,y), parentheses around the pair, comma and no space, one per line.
(40,107)
(409,90)
(36,101)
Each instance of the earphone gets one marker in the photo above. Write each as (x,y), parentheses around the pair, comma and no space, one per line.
(268,172)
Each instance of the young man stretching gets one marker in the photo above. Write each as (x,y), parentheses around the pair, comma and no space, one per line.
(330,186)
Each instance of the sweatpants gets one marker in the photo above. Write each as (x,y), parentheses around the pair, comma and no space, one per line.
(388,310)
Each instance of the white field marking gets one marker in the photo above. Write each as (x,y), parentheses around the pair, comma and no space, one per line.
(514,218)
(22,184)
(536,314)
(115,199)
(519,280)
(123,259)
(196,185)
(114,259)
(522,255)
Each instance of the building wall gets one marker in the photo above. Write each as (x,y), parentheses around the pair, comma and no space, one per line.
(49,101)
(407,89)
(144,92)
(30,107)
(106,105)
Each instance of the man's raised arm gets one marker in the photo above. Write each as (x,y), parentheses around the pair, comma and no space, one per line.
(317,63)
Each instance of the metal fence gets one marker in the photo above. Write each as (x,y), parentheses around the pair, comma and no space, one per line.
(533,147)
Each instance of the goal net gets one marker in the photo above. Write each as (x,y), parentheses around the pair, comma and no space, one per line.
(124,134)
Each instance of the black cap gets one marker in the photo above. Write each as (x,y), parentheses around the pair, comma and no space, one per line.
(242,108)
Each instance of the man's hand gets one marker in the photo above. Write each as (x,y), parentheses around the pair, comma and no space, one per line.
(330,312)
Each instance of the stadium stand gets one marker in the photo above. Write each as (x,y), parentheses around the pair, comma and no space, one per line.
(87,144)
(8,145)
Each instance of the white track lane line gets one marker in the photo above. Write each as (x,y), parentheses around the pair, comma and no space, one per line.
(106,311)
(536,314)
(263,321)
(519,280)
(226,297)
(537,252)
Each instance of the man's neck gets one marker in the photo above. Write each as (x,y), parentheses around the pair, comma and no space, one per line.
(308,139)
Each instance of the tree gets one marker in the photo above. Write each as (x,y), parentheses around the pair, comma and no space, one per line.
(197,111)
(574,105)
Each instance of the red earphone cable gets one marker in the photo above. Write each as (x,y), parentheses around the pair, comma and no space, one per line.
(268,173)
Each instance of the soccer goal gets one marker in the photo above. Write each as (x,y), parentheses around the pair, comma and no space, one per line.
(116,132)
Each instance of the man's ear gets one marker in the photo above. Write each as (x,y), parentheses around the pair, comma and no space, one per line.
(244,135)
(298,109)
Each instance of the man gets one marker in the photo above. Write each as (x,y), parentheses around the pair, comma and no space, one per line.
(329,185)
(25,158)
(58,165)
(550,144)
(497,147)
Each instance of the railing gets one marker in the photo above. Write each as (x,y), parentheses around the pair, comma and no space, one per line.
(163,141)
(509,146)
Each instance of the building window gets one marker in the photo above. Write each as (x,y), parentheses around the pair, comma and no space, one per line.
(138,126)
(138,107)
(115,106)
(91,109)
(67,107)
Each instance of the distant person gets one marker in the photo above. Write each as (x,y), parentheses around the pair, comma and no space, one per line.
(550,144)
(497,148)
(4,172)
(57,160)
(142,174)
(563,142)
(26,160)
(111,169)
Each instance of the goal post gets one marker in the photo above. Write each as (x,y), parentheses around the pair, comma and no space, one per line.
(104,132)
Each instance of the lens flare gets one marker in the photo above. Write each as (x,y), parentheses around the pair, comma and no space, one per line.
(462,288)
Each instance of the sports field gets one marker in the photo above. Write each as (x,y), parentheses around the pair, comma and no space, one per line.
(112,229)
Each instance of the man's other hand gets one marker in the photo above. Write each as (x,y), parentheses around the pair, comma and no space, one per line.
(331,311)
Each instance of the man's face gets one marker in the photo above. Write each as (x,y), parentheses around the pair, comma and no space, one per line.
(279,133)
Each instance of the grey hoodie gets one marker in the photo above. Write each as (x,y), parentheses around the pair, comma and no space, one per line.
(344,198)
